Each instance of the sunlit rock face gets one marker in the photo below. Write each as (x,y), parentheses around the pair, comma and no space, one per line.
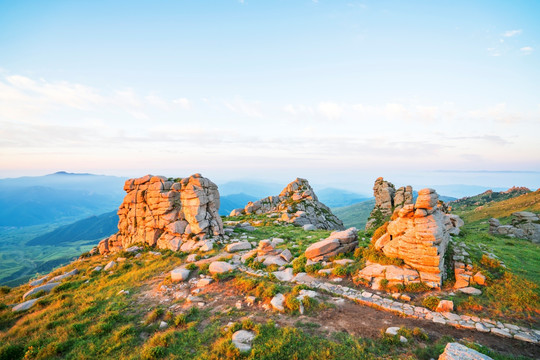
(296,204)
(419,235)
(165,213)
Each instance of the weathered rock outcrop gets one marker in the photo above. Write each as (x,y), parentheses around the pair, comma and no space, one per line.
(164,213)
(296,204)
(419,235)
(338,242)
(387,199)
(525,225)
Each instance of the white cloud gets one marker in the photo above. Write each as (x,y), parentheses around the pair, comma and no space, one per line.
(183,102)
(243,107)
(526,50)
(331,110)
(511,33)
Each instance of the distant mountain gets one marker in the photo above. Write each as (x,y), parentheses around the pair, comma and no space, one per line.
(234,201)
(93,228)
(333,197)
(27,201)
(355,215)
(489,196)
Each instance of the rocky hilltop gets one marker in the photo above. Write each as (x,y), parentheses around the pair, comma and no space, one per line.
(296,204)
(387,199)
(164,213)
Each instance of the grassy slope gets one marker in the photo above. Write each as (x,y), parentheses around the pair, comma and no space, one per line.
(503,209)
(355,215)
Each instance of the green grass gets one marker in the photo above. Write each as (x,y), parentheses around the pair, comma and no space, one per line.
(355,215)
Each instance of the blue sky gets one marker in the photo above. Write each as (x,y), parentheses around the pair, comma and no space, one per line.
(339,92)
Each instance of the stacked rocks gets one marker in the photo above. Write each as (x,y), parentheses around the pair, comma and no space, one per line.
(164,213)
(386,200)
(338,242)
(525,225)
(419,235)
(296,204)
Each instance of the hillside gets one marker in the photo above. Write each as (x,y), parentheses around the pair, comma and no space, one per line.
(355,215)
(91,229)
(489,196)
(500,209)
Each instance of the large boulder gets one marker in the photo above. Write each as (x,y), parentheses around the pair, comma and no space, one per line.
(338,242)
(45,288)
(165,213)
(296,204)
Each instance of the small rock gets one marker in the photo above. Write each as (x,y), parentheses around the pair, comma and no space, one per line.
(191,258)
(204,282)
(162,325)
(220,267)
(180,274)
(310,227)
(479,278)
(250,300)
(242,339)
(46,288)
(238,305)
(238,246)
(286,255)
(392,330)
(277,302)
(470,291)
(98,268)
(109,266)
(285,275)
(445,306)
(403,339)
(120,259)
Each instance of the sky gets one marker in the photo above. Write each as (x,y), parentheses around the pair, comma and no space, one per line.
(339,92)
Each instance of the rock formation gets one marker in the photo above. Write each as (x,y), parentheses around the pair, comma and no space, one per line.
(419,235)
(338,242)
(525,225)
(296,204)
(164,213)
(387,199)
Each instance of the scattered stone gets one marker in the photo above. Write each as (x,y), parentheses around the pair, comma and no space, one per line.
(180,274)
(123,292)
(242,339)
(133,249)
(25,305)
(501,332)
(285,275)
(64,276)
(45,288)
(286,255)
(445,306)
(250,300)
(343,261)
(470,291)
(191,258)
(456,351)
(392,330)
(38,281)
(204,282)
(163,325)
(277,302)
(403,339)
(309,227)
(110,265)
(120,259)
(238,246)
(98,268)
(479,279)
(220,267)
(525,337)
(525,225)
